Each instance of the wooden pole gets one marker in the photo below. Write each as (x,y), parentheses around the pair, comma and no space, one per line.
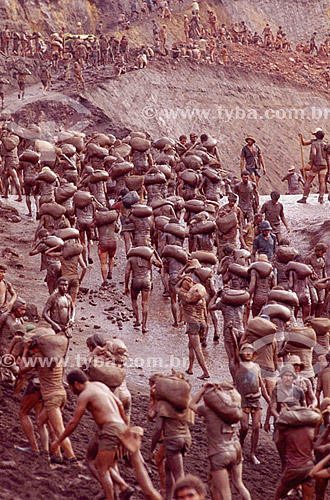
(302,160)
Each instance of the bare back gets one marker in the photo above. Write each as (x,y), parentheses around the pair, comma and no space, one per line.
(101,402)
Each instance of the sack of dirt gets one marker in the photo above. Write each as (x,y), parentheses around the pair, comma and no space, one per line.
(321,326)
(140,144)
(161,221)
(109,161)
(196,293)
(65,192)
(53,209)
(154,178)
(47,176)
(102,139)
(194,206)
(157,203)
(134,182)
(122,151)
(99,176)
(285,253)
(301,270)
(68,150)
(213,175)
(176,229)
(192,161)
(203,273)
(166,170)
(47,198)
(104,217)
(30,156)
(238,270)
(130,199)
(67,233)
(82,199)
(261,327)
(173,389)
(111,375)
(176,252)
(120,169)
(302,337)
(225,401)
(277,311)
(77,142)
(177,201)
(203,227)
(298,416)
(227,222)
(235,297)
(53,241)
(10,142)
(71,249)
(52,345)
(284,296)
(98,151)
(190,177)
(141,251)
(141,210)
(204,257)
(263,268)
(137,133)
(162,142)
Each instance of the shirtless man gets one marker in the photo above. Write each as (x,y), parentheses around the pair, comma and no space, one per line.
(85,217)
(316,260)
(21,80)
(231,235)
(3,83)
(51,263)
(8,322)
(108,413)
(141,271)
(53,395)
(300,285)
(274,214)
(224,451)
(10,163)
(107,248)
(46,78)
(59,310)
(260,286)
(6,290)
(78,76)
(30,172)
(248,198)
(249,383)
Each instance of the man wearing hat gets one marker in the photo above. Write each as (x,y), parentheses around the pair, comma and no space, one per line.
(252,160)
(231,235)
(286,393)
(265,242)
(319,165)
(303,382)
(293,179)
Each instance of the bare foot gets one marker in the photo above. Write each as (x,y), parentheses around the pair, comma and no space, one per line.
(254,460)
(190,372)
(136,324)
(145,329)
(175,325)
(204,377)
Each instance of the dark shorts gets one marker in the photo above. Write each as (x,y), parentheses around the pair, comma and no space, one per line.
(84,226)
(29,188)
(108,436)
(196,328)
(291,478)
(253,171)
(226,460)
(140,285)
(73,285)
(177,446)
(109,247)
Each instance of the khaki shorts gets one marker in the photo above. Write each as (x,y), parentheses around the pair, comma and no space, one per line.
(54,402)
(108,436)
(314,173)
(226,459)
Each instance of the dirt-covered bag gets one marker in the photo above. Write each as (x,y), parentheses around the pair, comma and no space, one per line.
(227,222)
(51,345)
(235,297)
(285,253)
(141,251)
(263,268)
(176,229)
(134,182)
(65,192)
(298,417)
(203,227)
(189,177)
(239,270)
(196,293)
(82,199)
(102,218)
(176,252)
(109,374)
(261,327)
(277,311)
(321,326)
(301,270)
(141,211)
(71,249)
(30,156)
(47,176)
(225,401)
(67,233)
(173,389)
(53,209)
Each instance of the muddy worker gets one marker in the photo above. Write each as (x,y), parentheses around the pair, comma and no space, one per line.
(227,233)
(46,78)
(316,260)
(299,283)
(262,281)
(84,221)
(252,160)
(21,80)
(141,270)
(249,383)
(107,246)
(8,322)
(3,83)
(8,294)
(109,416)
(195,317)
(59,310)
(248,198)
(274,214)
(319,165)
(265,242)
(224,450)
(78,76)
(293,179)
(323,381)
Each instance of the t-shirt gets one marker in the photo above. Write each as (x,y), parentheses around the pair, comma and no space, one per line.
(175,428)
(298,446)
(295,396)
(273,213)
(251,158)
(265,245)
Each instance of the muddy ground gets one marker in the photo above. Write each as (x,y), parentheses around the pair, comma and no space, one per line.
(107,310)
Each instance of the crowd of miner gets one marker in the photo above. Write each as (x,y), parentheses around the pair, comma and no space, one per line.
(173,206)
(66,56)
